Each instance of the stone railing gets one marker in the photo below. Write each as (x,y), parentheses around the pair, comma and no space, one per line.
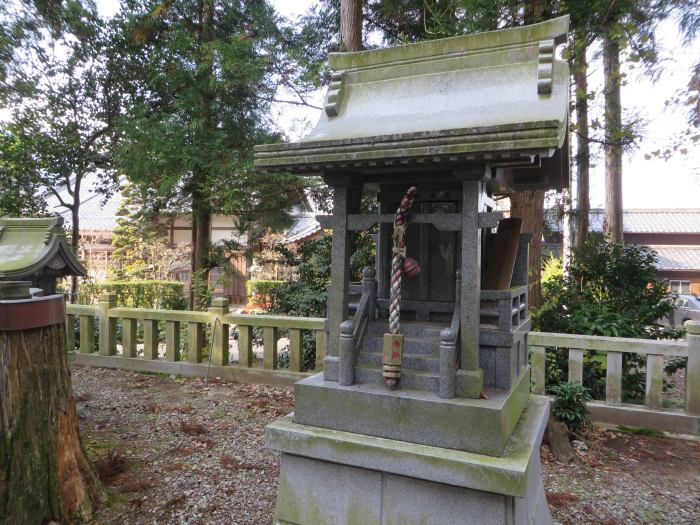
(123,352)
(652,414)
(352,331)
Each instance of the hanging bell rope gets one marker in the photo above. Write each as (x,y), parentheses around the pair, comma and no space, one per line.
(393,342)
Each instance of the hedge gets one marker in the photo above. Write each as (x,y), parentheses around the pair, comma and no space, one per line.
(261,288)
(168,295)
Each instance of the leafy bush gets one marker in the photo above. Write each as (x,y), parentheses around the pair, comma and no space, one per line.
(569,404)
(261,288)
(168,295)
(610,289)
(306,294)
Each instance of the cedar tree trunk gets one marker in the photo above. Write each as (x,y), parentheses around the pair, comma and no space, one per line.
(583,155)
(44,474)
(613,132)
(529,206)
(350,25)
(201,198)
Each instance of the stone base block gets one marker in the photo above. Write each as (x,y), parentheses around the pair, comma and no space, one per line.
(342,478)
(482,426)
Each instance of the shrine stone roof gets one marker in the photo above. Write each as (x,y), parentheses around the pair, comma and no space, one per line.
(500,96)
(31,246)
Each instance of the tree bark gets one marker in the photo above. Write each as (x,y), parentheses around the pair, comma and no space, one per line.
(44,474)
(613,148)
(201,221)
(350,25)
(75,235)
(529,206)
(583,154)
(201,198)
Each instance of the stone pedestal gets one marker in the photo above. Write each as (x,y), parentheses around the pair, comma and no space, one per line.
(340,477)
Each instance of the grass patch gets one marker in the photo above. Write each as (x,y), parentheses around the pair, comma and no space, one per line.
(640,431)
(161,375)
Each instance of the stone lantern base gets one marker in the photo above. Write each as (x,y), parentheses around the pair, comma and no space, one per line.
(338,477)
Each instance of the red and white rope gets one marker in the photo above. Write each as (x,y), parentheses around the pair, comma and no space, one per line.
(399,255)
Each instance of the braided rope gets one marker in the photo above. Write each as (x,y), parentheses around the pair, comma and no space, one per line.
(399,255)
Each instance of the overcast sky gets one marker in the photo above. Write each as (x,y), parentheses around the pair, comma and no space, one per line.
(646,183)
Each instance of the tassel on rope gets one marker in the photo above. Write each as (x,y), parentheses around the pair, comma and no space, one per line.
(393,341)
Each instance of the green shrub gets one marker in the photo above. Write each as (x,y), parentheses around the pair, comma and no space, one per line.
(569,404)
(168,295)
(262,288)
(609,289)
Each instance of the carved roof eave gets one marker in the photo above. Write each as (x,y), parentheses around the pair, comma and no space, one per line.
(506,143)
(55,253)
(500,96)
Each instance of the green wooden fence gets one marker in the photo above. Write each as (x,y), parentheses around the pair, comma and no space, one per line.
(151,355)
(612,410)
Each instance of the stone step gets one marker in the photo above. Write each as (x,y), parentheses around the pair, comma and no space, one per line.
(411,345)
(410,329)
(413,362)
(410,379)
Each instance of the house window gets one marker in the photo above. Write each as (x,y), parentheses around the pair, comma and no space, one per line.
(680,287)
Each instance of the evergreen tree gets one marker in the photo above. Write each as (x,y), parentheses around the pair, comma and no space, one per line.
(54,86)
(197,79)
(137,229)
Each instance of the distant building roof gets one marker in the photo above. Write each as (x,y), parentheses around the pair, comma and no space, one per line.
(304,227)
(662,220)
(670,258)
(678,257)
(98,212)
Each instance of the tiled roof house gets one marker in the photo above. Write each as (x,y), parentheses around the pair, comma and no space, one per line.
(673,233)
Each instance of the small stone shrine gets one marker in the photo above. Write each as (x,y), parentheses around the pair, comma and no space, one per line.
(36,250)
(435,129)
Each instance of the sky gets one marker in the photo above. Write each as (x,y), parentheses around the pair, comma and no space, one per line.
(651,183)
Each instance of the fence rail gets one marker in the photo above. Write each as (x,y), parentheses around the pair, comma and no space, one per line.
(105,318)
(101,343)
(652,414)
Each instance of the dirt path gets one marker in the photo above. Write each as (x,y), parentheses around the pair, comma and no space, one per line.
(174,451)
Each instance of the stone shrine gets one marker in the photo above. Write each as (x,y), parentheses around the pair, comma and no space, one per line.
(460,119)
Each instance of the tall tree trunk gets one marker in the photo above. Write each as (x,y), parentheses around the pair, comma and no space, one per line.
(613,132)
(529,206)
(350,25)
(44,475)
(583,154)
(201,198)
(201,221)
(75,234)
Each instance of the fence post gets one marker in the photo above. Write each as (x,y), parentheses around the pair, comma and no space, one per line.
(538,359)
(575,365)
(172,340)
(87,334)
(150,339)
(655,382)
(246,358)
(195,342)
(692,372)
(296,350)
(613,379)
(320,348)
(108,325)
(219,332)
(270,347)
(129,337)
(70,332)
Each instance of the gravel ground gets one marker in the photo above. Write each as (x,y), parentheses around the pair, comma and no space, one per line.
(176,451)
